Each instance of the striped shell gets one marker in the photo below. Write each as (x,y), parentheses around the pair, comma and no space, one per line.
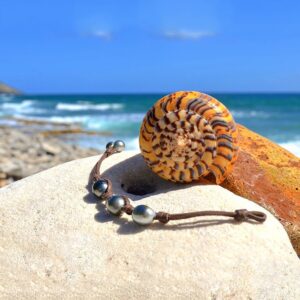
(187,135)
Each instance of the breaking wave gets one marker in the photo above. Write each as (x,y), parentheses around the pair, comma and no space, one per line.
(88,106)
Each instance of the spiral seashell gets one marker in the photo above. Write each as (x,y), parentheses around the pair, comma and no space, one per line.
(188,135)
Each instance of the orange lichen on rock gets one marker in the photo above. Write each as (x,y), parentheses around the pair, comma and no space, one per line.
(269,175)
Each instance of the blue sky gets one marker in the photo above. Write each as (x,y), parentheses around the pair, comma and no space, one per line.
(150,46)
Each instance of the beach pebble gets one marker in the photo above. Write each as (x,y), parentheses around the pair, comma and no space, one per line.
(55,242)
(50,148)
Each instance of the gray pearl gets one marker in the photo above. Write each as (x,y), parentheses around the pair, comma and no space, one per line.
(109,145)
(115,204)
(119,145)
(143,215)
(100,187)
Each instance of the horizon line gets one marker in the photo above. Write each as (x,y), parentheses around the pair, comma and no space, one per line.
(154,93)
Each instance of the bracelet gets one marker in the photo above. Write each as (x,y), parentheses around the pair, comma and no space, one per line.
(143,214)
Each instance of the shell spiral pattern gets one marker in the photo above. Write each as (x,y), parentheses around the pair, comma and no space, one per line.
(188,135)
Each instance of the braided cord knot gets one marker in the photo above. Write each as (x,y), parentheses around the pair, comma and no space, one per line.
(162,217)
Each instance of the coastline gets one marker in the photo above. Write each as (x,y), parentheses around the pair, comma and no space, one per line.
(30,147)
(274,116)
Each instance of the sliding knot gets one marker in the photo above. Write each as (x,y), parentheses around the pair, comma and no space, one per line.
(244,214)
(162,217)
(128,208)
(241,215)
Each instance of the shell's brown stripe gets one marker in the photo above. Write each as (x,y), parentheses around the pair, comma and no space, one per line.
(189,117)
(145,151)
(219,123)
(226,156)
(192,173)
(192,102)
(153,114)
(182,123)
(210,137)
(146,130)
(158,128)
(206,166)
(167,129)
(186,163)
(176,113)
(154,163)
(179,100)
(210,149)
(208,131)
(226,145)
(219,168)
(181,176)
(201,142)
(159,155)
(166,120)
(168,155)
(155,146)
(192,106)
(204,109)
(168,101)
(200,170)
(198,106)
(144,137)
(148,120)
(225,137)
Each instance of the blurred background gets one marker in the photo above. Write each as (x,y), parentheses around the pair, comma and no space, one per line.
(86,72)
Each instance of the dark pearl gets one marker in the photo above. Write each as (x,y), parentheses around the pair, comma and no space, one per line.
(109,145)
(119,145)
(143,215)
(115,204)
(100,187)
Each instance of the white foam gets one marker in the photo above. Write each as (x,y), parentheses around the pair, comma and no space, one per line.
(88,106)
(292,146)
(249,114)
(25,107)
(17,106)
(133,144)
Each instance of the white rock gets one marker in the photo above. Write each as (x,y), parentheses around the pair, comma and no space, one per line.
(54,243)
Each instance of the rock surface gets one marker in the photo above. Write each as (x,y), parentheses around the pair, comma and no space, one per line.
(269,175)
(54,243)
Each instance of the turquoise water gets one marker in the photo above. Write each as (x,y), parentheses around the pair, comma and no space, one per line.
(276,116)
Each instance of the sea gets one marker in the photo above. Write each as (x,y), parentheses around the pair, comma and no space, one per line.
(275,116)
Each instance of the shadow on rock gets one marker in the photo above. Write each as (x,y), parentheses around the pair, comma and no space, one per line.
(133,178)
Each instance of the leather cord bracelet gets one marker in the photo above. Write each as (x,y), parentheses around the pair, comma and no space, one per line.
(143,214)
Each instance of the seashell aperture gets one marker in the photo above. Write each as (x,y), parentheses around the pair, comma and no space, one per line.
(188,135)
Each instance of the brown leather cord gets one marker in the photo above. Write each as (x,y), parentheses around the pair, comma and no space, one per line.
(238,215)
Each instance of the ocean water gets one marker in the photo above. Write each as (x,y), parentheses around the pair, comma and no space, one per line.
(275,116)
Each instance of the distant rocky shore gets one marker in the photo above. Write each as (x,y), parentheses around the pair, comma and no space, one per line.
(31,148)
(5,89)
